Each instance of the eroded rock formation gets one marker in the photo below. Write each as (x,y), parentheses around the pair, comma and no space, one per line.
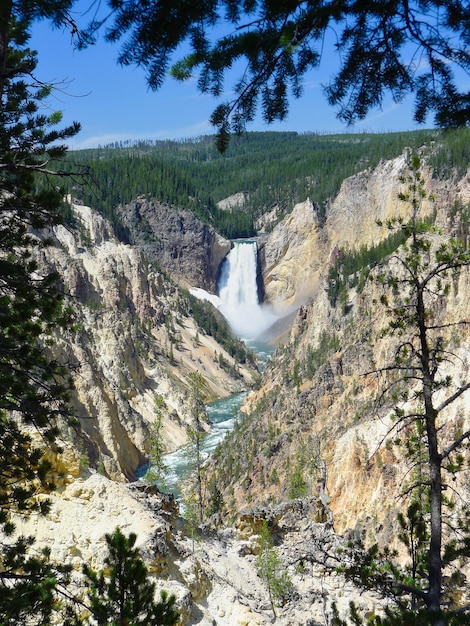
(135,338)
(190,251)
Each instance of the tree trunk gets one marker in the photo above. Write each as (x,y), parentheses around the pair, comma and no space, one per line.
(435,502)
(434,597)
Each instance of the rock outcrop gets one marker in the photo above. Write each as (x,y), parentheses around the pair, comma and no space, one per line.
(135,338)
(214,579)
(190,251)
(291,258)
(297,251)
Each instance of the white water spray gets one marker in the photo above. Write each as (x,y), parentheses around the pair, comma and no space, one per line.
(238,292)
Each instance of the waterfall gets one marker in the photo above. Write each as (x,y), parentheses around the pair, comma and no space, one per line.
(238,292)
(238,301)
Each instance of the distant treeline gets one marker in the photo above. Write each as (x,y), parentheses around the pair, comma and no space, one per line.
(270,168)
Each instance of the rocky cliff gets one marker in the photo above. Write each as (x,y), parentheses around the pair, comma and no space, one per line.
(314,426)
(295,254)
(190,251)
(135,339)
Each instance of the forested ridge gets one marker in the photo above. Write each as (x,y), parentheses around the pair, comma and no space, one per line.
(272,169)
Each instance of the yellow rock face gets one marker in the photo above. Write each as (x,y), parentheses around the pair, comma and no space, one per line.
(328,424)
(299,248)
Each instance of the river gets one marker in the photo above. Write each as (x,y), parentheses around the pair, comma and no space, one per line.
(222,417)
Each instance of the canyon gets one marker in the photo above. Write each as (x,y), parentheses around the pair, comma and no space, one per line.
(137,339)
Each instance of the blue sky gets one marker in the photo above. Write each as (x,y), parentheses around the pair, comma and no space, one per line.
(113,103)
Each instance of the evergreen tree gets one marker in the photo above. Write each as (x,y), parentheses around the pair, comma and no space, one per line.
(216,500)
(431,588)
(34,386)
(196,433)
(158,470)
(270,568)
(122,594)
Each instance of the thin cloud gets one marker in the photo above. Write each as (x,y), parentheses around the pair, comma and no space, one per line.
(95,141)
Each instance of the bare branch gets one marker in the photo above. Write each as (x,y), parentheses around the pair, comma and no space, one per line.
(453,397)
(445,454)
(462,609)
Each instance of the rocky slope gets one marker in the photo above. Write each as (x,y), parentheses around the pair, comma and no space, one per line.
(214,578)
(135,338)
(190,251)
(295,254)
(314,427)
